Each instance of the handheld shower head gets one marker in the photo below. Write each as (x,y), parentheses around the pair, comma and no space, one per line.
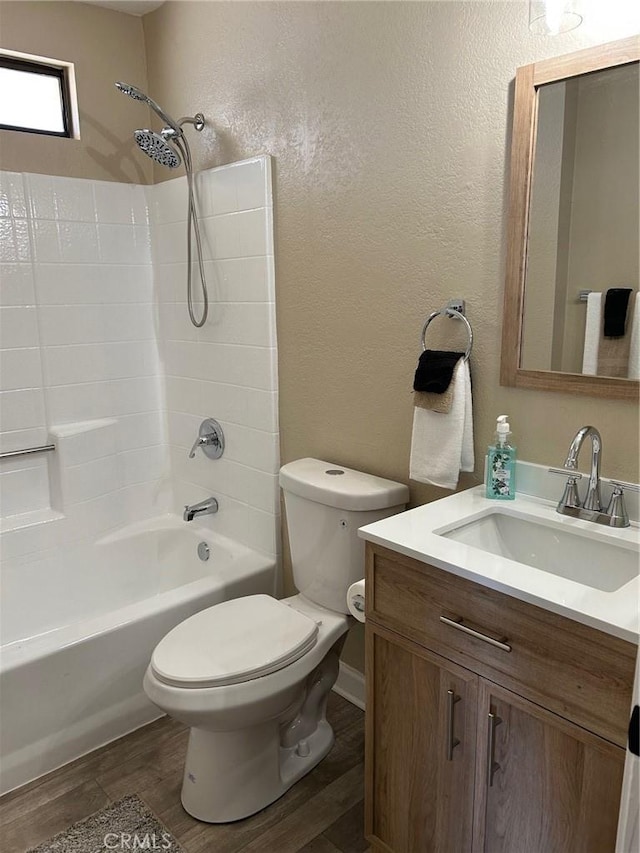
(157,148)
(132,91)
(170,148)
(138,95)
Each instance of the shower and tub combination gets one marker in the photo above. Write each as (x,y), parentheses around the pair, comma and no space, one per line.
(95,575)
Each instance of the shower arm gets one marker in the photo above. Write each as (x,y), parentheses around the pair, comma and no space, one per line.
(171,133)
(197,121)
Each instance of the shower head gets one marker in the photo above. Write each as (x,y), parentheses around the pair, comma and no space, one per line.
(138,95)
(156,147)
(132,91)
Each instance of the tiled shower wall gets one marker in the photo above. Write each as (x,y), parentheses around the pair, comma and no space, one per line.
(227,369)
(78,346)
(81,328)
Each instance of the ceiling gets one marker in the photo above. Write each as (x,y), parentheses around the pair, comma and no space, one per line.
(131,7)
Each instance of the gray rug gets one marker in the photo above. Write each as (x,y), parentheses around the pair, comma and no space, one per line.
(125,825)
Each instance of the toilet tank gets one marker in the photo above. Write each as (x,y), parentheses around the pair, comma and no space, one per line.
(325,506)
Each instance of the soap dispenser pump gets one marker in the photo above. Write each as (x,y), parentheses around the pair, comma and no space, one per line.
(501,464)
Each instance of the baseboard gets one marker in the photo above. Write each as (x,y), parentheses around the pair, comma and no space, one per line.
(350,685)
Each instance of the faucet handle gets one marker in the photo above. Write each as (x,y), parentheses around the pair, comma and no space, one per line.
(570,496)
(568,472)
(210,439)
(620,484)
(200,440)
(616,509)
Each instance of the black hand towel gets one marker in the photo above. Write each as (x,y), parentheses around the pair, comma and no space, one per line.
(615,311)
(435,370)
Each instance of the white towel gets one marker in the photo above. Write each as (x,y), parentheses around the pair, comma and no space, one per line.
(442,445)
(592,327)
(634,345)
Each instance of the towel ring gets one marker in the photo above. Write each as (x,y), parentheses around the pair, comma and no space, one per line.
(449,312)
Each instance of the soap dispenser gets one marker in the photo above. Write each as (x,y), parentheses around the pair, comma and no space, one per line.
(501,464)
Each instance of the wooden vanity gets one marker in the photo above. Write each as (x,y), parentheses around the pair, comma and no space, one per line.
(492,725)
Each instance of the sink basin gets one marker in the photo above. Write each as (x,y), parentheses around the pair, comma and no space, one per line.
(599,563)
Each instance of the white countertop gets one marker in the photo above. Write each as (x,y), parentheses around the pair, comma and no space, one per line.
(412,533)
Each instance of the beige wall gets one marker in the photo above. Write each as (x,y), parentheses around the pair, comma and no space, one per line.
(105,46)
(389,124)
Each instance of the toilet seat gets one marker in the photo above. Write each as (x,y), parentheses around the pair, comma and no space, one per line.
(233,642)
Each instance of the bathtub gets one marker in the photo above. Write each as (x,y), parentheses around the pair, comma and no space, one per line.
(77,635)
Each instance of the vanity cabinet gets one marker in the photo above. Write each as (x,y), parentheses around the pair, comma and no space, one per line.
(542,783)
(492,726)
(424,715)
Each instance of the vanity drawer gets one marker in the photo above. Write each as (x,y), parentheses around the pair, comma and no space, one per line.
(580,673)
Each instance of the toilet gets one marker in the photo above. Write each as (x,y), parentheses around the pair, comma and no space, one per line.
(251,676)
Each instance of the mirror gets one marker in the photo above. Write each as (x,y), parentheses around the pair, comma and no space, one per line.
(570,320)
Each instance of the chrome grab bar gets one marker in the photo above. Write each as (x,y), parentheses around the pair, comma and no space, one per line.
(44,448)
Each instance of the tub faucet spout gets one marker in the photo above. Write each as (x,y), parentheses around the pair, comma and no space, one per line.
(205,507)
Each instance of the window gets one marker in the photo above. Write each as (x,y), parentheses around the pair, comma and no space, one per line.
(34,96)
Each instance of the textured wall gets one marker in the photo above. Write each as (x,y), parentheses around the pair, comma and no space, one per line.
(389,125)
(105,46)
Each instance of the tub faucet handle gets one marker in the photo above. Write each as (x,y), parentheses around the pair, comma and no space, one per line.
(210,439)
(200,440)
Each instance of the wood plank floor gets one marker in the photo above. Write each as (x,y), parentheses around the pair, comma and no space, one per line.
(322,813)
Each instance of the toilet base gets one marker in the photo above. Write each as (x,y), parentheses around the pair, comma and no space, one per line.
(232,775)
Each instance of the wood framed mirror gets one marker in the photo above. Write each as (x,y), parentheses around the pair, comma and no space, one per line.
(573,224)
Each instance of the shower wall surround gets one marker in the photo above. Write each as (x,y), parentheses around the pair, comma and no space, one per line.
(95,336)
(227,369)
(79,362)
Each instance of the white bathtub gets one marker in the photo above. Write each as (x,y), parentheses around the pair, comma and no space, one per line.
(78,635)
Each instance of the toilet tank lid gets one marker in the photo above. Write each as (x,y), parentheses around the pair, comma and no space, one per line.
(340,487)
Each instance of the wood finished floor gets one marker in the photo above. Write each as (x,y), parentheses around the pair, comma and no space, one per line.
(322,813)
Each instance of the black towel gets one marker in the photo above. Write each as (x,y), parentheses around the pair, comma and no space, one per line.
(435,370)
(615,311)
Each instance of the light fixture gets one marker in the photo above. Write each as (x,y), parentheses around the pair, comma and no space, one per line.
(550,17)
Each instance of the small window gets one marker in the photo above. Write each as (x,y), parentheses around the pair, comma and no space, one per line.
(34,97)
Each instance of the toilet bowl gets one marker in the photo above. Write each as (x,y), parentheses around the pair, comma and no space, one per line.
(251,740)
(251,676)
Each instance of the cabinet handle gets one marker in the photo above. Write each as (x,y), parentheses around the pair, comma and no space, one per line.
(452,741)
(459,624)
(492,765)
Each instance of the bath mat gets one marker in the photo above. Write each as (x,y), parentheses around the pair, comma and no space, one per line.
(126,825)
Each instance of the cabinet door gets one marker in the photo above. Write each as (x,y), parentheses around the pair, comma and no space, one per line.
(420,748)
(543,785)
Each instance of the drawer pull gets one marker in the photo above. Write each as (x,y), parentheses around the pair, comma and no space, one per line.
(452,741)
(459,624)
(492,764)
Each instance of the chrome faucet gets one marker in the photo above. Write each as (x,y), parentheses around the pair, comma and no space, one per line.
(593,500)
(570,504)
(205,507)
